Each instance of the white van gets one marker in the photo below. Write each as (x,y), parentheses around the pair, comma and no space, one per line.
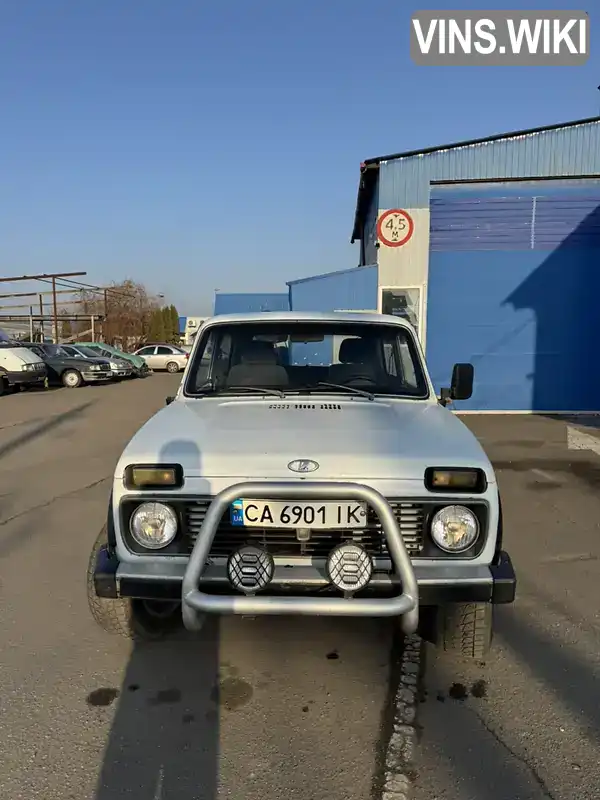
(19,366)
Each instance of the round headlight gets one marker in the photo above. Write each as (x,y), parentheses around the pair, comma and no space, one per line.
(454,529)
(153,525)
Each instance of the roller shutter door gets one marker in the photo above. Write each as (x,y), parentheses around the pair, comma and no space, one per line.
(514,288)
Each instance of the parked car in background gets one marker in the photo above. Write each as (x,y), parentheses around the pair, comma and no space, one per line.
(164,356)
(119,367)
(140,368)
(72,372)
(19,366)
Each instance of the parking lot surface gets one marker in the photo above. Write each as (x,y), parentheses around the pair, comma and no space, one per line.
(263,708)
(275,707)
(526,726)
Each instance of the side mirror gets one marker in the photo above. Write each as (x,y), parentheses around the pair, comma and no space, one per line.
(461,385)
(169,400)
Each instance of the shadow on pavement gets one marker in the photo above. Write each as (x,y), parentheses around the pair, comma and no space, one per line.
(561,668)
(460,754)
(44,427)
(164,740)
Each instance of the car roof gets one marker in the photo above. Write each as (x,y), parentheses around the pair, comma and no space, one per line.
(310,316)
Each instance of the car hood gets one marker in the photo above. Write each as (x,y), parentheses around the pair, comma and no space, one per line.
(137,361)
(90,360)
(67,361)
(350,439)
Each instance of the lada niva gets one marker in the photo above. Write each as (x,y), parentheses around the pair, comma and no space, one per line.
(305,466)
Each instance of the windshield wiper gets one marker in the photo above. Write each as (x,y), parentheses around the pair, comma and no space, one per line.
(361,392)
(210,386)
(260,389)
(207,386)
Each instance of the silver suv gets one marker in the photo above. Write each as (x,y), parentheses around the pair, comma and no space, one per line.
(305,466)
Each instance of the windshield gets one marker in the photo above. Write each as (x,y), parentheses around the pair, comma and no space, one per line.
(302,357)
(86,351)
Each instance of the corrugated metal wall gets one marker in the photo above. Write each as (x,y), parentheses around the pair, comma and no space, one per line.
(405,183)
(352,289)
(569,151)
(241,303)
(513,289)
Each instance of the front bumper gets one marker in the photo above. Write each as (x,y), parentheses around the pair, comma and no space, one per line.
(29,376)
(94,377)
(398,593)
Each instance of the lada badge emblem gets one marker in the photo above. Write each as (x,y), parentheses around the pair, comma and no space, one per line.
(303,465)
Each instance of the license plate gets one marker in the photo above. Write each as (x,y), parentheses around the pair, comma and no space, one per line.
(268,514)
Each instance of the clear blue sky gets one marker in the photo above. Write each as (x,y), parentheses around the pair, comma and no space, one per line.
(193,144)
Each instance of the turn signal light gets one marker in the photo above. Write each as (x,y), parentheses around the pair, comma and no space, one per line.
(153,477)
(455,479)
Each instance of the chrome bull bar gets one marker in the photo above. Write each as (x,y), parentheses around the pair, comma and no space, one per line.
(196,604)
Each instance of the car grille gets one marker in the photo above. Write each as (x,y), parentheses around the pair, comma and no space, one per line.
(283,542)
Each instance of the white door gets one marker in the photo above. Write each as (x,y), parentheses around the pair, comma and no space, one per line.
(405,302)
(147,353)
(163,356)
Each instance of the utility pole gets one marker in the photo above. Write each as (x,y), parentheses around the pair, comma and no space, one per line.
(55,310)
(42,317)
(105,324)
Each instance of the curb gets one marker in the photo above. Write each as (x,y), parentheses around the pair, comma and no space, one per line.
(400,768)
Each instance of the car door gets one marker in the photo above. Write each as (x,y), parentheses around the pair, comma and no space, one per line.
(163,356)
(52,374)
(148,354)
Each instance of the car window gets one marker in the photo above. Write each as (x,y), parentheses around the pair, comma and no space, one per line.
(164,351)
(301,356)
(146,351)
(88,352)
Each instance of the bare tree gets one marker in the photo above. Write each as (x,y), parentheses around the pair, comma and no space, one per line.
(126,308)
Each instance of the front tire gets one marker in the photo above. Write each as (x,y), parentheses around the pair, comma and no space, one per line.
(172,367)
(466,628)
(71,379)
(138,620)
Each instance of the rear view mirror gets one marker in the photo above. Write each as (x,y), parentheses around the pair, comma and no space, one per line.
(169,400)
(461,385)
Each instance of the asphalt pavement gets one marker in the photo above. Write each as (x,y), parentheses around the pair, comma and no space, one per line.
(264,708)
(270,708)
(526,725)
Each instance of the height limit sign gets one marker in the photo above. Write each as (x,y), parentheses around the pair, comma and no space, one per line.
(395,227)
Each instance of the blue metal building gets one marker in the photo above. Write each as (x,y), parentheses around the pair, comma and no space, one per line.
(491,247)
(238,303)
(346,290)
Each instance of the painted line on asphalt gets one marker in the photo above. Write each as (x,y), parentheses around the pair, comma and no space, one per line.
(578,440)
(400,768)
(546,476)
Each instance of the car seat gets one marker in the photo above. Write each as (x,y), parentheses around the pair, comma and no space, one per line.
(258,367)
